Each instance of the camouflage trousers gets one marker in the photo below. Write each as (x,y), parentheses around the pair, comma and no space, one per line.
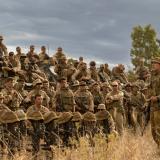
(137,119)
(118,119)
(155,126)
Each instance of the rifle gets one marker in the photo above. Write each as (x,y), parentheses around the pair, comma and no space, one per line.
(147,116)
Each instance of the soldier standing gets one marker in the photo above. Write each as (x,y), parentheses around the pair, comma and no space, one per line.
(3,48)
(64,98)
(97,95)
(155,100)
(105,122)
(114,102)
(13,98)
(84,99)
(35,116)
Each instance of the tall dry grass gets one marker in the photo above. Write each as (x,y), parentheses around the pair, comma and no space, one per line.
(128,147)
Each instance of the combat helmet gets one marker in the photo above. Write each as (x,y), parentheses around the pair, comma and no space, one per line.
(21,115)
(49,116)
(102,115)
(64,117)
(9,117)
(89,116)
(34,115)
(76,117)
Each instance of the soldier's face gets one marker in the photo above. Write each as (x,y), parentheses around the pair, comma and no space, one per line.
(64,83)
(155,66)
(115,87)
(31,49)
(46,85)
(18,49)
(38,100)
(9,84)
(43,49)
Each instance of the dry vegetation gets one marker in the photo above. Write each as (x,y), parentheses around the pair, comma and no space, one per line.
(130,147)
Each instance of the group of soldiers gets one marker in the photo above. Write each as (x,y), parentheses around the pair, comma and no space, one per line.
(53,101)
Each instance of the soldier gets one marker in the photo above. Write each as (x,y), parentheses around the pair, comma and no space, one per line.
(64,98)
(62,68)
(83,99)
(103,76)
(77,120)
(38,105)
(32,56)
(127,97)
(51,133)
(10,120)
(114,103)
(137,103)
(105,122)
(29,73)
(65,128)
(37,84)
(19,53)
(89,127)
(3,48)
(93,71)
(80,62)
(22,129)
(82,73)
(107,70)
(13,62)
(3,110)
(44,59)
(141,69)
(35,116)
(58,55)
(13,98)
(51,137)
(97,95)
(155,100)
(105,88)
(119,74)
(49,90)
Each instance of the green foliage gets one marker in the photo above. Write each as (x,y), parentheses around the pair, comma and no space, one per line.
(144,44)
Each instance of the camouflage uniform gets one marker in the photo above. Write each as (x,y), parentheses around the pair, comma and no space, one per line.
(35,116)
(128,109)
(76,124)
(49,90)
(37,90)
(11,137)
(114,104)
(119,74)
(83,99)
(81,73)
(58,55)
(64,100)
(62,68)
(103,76)
(88,128)
(137,103)
(97,96)
(93,71)
(51,133)
(155,104)
(65,128)
(105,122)
(3,48)
(12,99)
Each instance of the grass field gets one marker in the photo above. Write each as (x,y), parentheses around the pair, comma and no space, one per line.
(128,147)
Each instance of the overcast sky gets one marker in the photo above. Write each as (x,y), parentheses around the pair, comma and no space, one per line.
(96,29)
